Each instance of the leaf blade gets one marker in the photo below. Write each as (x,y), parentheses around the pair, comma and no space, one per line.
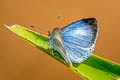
(94,68)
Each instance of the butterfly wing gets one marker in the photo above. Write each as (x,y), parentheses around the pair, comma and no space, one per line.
(79,39)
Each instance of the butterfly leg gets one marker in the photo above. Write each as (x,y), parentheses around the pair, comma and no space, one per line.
(51,51)
(48,46)
(44,44)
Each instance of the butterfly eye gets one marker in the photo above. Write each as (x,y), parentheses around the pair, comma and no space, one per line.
(49,33)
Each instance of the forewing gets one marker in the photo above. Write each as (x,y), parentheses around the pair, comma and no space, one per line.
(80,38)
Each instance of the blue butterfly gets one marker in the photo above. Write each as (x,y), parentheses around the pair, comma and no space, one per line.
(76,41)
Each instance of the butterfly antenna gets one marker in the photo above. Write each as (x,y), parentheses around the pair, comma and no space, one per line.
(39,28)
(57,20)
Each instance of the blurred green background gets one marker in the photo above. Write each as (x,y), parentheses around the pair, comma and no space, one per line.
(20,61)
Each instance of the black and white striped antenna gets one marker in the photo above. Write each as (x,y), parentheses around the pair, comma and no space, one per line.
(57,21)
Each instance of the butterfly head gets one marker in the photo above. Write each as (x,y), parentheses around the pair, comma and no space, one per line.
(49,34)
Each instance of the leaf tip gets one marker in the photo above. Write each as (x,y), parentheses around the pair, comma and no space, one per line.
(6,26)
(13,26)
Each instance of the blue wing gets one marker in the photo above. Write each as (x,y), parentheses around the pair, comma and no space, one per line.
(79,39)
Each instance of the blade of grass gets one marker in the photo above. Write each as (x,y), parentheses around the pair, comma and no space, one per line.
(94,68)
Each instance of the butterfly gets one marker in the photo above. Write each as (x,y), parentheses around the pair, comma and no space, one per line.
(76,41)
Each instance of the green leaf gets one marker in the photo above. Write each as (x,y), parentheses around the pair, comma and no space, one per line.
(94,68)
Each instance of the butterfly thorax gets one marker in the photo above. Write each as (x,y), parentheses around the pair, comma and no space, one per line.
(56,42)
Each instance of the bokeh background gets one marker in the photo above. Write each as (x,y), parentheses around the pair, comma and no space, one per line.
(21,61)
